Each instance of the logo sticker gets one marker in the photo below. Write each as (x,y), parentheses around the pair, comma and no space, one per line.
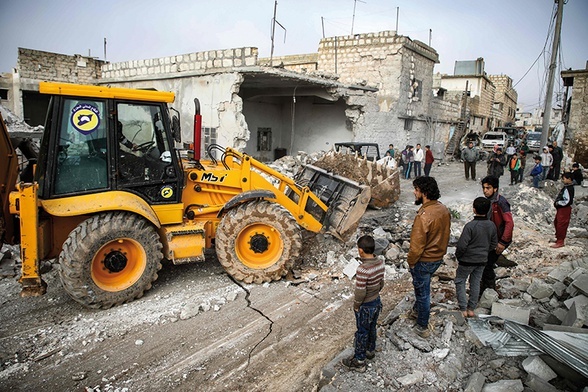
(166,192)
(85,118)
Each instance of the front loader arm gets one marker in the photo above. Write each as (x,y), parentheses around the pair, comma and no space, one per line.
(24,202)
(319,201)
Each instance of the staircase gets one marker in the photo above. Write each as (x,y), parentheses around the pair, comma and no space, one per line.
(453,144)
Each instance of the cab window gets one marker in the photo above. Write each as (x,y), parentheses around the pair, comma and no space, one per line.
(81,147)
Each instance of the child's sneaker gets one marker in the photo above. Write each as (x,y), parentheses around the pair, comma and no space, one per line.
(353,363)
(370,354)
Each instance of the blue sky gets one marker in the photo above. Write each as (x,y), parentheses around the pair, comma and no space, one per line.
(509,34)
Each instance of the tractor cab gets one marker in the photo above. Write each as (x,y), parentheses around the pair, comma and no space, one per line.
(97,139)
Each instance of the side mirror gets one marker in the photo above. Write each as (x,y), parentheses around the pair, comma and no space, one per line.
(175,125)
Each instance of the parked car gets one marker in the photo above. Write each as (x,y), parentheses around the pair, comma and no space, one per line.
(534,141)
(490,139)
(369,150)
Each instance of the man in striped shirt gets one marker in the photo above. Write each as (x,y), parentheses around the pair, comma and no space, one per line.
(369,280)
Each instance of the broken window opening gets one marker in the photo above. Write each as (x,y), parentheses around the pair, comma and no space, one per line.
(3,93)
(264,139)
(408,124)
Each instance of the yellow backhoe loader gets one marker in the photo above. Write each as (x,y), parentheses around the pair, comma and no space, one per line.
(111,197)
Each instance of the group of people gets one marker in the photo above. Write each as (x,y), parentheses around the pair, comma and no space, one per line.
(479,246)
(412,158)
(547,164)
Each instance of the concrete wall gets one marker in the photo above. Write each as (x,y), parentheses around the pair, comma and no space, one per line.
(303,63)
(577,132)
(221,107)
(317,125)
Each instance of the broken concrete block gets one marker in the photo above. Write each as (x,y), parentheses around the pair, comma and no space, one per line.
(539,289)
(560,314)
(412,378)
(574,274)
(393,253)
(559,289)
(581,283)
(538,385)
(351,268)
(331,257)
(559,273)
(475,383)
(381,245)
(535,365)
(571,291)
(521,285)
(574,317)
(489,296)
(501,272)
(504,386)
(508,312)
(580,301)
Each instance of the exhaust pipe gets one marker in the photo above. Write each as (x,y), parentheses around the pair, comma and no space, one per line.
(197,130)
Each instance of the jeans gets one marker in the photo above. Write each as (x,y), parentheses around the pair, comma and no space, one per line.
(366,321)
(408,168)
(474,272)
(421,281)
(536,180)
(417,168)
(521,174)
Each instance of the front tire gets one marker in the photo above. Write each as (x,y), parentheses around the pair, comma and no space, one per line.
(109,259)
(258,242)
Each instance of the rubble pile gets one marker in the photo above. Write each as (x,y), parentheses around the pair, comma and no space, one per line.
(15,123)
(536,286)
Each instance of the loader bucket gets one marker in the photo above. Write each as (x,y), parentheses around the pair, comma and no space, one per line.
(346,200)
(384,182)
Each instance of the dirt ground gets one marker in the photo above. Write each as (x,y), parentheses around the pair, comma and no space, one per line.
(197,329)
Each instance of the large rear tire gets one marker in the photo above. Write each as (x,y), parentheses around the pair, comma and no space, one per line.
(258,242)
(110,259)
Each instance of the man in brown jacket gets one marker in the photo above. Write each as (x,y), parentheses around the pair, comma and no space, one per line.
(428,244)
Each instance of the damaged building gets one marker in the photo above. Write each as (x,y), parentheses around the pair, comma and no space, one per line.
(375,87)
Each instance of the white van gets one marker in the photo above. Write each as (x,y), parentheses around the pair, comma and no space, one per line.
(534,141)
(490,139)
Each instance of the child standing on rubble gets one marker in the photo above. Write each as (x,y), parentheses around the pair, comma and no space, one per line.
(477,239)
(369,280)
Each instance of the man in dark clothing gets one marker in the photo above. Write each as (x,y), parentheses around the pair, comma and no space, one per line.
(501,216)
(563,205)
(577,176)
(496,163)
(429,159)
(555,169)
(369,280)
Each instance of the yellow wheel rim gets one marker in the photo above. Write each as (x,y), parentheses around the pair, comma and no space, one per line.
(259,246)
(118,264)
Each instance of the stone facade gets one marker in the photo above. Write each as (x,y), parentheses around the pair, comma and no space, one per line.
(402,71)
(303,63)
(577,126)
(38,65)
(506,97)
(186,64)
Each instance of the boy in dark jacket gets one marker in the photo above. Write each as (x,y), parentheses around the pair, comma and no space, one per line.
(537,171)
(369,280)
(477,239)
(563,205)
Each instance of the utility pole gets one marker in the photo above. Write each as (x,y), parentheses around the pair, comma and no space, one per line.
(353,19)
(274,21)
(104,48)
(552,68)
(397,12)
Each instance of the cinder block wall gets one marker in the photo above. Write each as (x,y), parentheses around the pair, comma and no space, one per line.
(39,65)
(184,63)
